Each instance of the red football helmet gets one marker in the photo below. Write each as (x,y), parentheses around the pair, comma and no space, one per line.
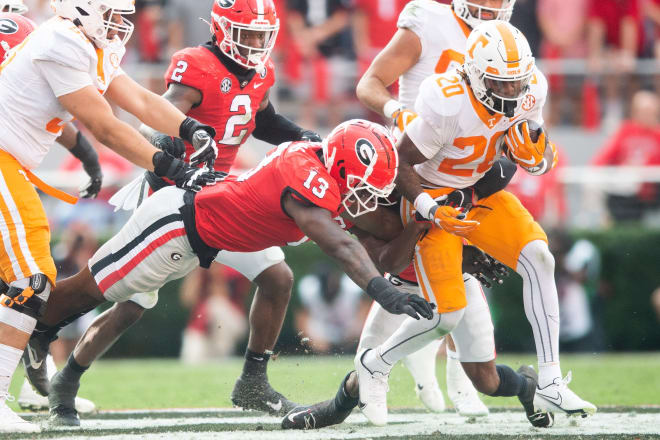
(13,30)
(361,157)
(245,30)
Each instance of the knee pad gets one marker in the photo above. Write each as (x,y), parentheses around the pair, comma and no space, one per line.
(27,295)
(449,321)
(537,254)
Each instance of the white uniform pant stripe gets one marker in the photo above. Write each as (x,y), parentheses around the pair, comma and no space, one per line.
(20,232)
(542,335)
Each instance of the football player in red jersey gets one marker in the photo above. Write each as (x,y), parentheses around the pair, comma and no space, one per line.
(296,192)
(225,84)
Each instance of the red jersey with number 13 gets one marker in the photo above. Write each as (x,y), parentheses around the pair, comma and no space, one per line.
(246,214)
(229,103)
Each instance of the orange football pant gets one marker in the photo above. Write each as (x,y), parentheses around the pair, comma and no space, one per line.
(503,232)
(25,246)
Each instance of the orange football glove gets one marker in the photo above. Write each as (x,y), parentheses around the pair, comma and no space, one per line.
(452,220)
(521,148)
(402,118)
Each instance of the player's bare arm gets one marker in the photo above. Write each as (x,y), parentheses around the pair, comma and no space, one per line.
(89,107)
(142,103)
(275,128)
(318,224)
(401,53)
(395,255)
(383,223)
(180,96)
(408,182)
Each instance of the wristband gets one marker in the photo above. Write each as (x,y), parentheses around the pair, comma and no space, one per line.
(423,204)
(189,126)
(376,286)
(392,106)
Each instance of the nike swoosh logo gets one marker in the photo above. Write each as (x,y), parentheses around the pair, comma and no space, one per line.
(501,170)
(258,359)
(556,400)
(293,415)
(257,85)
(361,405)
(275,406)
(32,355)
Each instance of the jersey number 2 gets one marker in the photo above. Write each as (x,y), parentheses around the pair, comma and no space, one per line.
(181,67)
(318,191)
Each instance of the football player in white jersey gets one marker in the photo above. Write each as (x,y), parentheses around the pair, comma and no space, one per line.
(430,39)
(466,118)
(59,72)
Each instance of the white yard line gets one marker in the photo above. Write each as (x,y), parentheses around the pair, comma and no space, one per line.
(501,423)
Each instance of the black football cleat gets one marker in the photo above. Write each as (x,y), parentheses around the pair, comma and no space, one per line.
(62,402)
(537,417)
(322,414)
(254,392)
(34,361)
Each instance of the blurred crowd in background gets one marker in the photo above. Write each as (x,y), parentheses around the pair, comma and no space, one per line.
(602,59)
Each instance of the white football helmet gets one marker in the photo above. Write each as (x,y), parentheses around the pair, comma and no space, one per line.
(95,17)
(461,9)
(499,65)
(15,6)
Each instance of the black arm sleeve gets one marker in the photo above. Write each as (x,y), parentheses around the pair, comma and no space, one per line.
(274,128)
(497,178)
(86,154)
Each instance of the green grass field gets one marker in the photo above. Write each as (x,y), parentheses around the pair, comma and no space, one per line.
(605,380)
(625,387)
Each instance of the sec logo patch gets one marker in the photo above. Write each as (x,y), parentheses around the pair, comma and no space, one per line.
(528,102)
(8,26)
(225,85)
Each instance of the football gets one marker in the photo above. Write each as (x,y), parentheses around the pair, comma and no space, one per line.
(535,130)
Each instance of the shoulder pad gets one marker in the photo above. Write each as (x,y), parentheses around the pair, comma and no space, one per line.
(441,97)
(61,41)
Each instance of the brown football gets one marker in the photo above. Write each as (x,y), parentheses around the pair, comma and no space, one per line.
(535,130)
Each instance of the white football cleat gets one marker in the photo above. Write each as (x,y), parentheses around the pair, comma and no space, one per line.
(557,396)
(462,393)
(373,390)
(431,396)
(29,399)
(10,422)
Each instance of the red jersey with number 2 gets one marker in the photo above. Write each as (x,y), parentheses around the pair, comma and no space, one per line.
(246,214)
(229,104)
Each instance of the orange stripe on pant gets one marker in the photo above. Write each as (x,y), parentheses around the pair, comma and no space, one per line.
(25,246)
(503,232)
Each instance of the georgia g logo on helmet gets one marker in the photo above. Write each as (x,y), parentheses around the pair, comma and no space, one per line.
(365,151)
(226,4)
(8,26)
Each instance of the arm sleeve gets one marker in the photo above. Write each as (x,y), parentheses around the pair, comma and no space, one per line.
(496,178)
(63,79)
(274,128)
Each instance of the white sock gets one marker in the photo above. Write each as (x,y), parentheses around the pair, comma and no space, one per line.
(9,358)
(536,266)
(421,363)
(548,372)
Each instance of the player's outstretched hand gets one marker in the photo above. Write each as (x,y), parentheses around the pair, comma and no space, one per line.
(169,144)
(183,175)
(483,267)
(397,302)
(205,149)
(311,136)
(92,188)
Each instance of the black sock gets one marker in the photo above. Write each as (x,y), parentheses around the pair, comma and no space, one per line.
(511,383)
(73,370)
(343,400)
(255,363)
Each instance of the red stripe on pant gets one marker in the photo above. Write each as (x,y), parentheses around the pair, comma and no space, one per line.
(115,276)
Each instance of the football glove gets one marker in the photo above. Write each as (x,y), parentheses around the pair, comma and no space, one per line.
(311,136)
(172,145)
(183,175)
(482,266)
(526,142)
(402,118)
(205,149)
(397,302)
(452,220)
(93,187)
